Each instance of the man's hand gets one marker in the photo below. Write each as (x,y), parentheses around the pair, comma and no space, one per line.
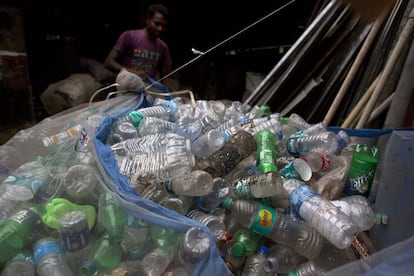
(129,81)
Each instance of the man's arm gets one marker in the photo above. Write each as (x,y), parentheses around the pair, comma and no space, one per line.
(111,61)
(112,64)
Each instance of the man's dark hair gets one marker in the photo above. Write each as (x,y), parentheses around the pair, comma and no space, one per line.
(160,8)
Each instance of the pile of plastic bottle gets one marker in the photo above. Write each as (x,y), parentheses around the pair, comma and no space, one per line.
(269,188)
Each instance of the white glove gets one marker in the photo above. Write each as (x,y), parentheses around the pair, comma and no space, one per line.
(129,81)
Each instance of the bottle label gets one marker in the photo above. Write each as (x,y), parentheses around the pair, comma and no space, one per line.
(28,217)
(265,219)
(45,248)
(292,273)
(326,161)
(136,118)
(241,189)
(291,148)
(300,195)
(75,234)
(361,173)
(168,187)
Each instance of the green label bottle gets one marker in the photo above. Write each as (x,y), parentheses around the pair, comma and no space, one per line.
(364,162)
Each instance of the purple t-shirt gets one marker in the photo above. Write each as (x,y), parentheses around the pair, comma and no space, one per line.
(140,53)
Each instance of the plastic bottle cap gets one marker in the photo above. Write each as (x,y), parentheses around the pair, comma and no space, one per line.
(264,250)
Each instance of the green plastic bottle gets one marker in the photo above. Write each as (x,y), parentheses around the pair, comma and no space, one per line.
(57,207)
(266,151)
(365,159)
(20,230)
(105,254)
(246,242)
(163,236)
(111,215)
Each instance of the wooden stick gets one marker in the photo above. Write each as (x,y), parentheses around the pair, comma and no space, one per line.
(392,60)
(381,108)
(361,103)
(354,69)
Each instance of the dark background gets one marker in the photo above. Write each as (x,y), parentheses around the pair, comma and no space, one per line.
(59,33)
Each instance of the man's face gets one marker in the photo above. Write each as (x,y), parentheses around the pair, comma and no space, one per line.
(156,25)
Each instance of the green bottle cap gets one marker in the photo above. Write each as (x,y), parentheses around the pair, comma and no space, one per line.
(136,117)
(284,120)
(266,110)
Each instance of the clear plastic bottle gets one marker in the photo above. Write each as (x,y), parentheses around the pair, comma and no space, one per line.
(154,125)
(196,183)
(215,197)
(129,267)
(81,184)
(300,236)
(50,259)
(286,257)
(321,213)
(213,116)
(126,130)
(240,146)
(193,248)
(232,224)
(272,124)
(255,264)
(207,144)
(317,161)
(20,265)
(178,203)
(245,167)
(326,141)
(135,240)
(332,181)
(214,223)
(359,209)
(75,236)
(172,159)
(188,126)
(171,105)
(255,112)
(63,136)
(309,268)
(21,187)
(11,199)
(258,186)
(135,117)
(145,144)
(157,260)
(298,121)
(319,127)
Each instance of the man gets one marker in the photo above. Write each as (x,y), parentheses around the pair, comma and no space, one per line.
(142,51)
